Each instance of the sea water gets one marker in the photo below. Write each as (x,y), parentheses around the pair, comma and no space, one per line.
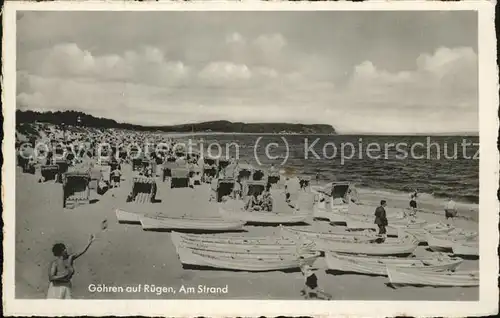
(437,166)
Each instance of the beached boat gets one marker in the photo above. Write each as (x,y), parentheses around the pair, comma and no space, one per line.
(187,223)
(336,216)
(421,233)
(243,248)
(465,248)
(254,255)
(339,235)
(444,243)
(366,220)
(245,263)
(377,265)
(332,232)
(409,223)
(128,217)
(461,234)
(404,246)
(439,243)
(410,276)
(251,253)
(367,224)
(237,242)
(342,214)
(270,244)
(232,239)
(255,217)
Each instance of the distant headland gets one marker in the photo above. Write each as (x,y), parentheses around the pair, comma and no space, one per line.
(74,118)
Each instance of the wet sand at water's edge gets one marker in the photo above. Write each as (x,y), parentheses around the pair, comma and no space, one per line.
(125,255)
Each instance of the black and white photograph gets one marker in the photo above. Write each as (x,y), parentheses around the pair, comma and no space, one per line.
(270,154)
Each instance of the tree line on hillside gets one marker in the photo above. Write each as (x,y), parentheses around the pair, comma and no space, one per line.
(74,118)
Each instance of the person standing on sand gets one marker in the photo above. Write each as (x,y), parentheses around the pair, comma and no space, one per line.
(381,218)
(267,200)
(450,209)
(311,289)
(61,271)
(413,203)
(237,189)
(116,177)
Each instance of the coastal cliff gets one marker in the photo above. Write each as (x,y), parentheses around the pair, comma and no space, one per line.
(73,118)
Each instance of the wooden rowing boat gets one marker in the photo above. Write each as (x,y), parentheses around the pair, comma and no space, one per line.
(242,248)
(270,245)
(232,239)
(421,233)
(377,265)
(199,224)
(335,216)
(335,236)
(405,246)
(353,224)
(250,253)
(333,232)
(444,243)
(255,217)
(339,213)
(128,217)
(364,221)
(410,276)
(261,263)
(465,248)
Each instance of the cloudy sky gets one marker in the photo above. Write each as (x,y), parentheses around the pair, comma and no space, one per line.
(393,72)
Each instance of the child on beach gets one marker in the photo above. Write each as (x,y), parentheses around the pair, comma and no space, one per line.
(254,203)
(61,271)
(311,289)
(450,210)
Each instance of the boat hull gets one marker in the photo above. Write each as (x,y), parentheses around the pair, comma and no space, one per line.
(406,276)
(403,247)
(347,237)
(465,249)
(264,217)
(128,217)
(158,224)
(377,265)
(255,263)
(278,245)
(421,234)
(332,216)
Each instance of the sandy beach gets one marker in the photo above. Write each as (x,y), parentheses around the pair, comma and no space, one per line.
(125,255)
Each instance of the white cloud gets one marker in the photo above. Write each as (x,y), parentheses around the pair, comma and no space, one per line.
(259,79)
(225,72)
(147,65)
(441,79)
(271,43)
(235,38)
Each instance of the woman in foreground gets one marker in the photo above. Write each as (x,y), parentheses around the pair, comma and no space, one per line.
(61,271)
